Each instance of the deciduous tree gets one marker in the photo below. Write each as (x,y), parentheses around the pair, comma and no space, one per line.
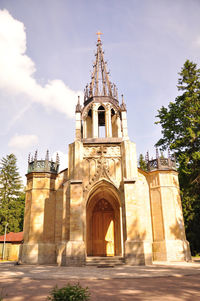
(180,123)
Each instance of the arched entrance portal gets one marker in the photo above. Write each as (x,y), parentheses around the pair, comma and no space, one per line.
(103,223)
(103,233)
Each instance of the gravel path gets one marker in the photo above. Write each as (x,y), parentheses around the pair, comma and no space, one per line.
(178,281)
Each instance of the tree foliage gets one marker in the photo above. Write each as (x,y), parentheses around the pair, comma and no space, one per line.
(12,197)
(180,123)
(142,163)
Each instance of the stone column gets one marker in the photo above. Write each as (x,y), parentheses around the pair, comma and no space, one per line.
(62,218)
(124,125)
(129,160)
(119,130)
(84,128)
(95,133)
(108,122)
(75,250)
(78,126)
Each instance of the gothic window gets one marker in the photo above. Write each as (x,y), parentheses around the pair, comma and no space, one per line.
(101,122)
(89,124)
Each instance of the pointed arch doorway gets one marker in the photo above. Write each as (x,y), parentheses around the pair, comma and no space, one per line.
(103,224)
(103,233)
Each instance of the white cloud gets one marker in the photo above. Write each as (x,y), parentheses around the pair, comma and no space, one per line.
(63,159)
(23,141)
(17,71)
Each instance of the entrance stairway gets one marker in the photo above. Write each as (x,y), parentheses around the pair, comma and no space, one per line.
(110,261)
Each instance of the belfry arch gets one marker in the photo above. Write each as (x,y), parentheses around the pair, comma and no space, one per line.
(103,222)
(101,122)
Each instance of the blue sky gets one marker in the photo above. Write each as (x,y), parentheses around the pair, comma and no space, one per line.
(46,53)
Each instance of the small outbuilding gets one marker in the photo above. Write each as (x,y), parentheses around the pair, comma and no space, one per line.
(12,245)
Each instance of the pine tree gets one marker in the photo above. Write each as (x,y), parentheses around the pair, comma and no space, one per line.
(142,163)
(12,197)
(180,124)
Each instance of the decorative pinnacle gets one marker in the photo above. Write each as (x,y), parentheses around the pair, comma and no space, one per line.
(123,105)
(78,106)
(99,36)
(147,157)
(57,159)
(29,158)
(35,157)
(47,156)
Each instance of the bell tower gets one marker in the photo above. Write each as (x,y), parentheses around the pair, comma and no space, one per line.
(102,170)
(101,117)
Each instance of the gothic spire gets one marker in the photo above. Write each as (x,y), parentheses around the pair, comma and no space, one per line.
(100,84)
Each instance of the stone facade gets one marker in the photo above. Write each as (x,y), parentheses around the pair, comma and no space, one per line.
(102,205)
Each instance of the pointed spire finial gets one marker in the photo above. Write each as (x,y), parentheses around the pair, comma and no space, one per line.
(57,159)
(147,157)
(123,105)
(29,157)
(35,157)
(47,155)
(78,106)
(99,36)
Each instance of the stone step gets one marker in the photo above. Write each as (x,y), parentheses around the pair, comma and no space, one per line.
(104,261)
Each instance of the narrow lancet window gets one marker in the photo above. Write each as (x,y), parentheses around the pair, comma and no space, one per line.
(101,122)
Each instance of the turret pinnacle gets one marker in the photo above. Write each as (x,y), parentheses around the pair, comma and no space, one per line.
(78,106)
(100,84)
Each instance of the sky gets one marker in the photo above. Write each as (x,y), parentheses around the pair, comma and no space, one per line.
(46,54)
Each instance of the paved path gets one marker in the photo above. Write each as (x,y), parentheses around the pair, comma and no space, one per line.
(178,281)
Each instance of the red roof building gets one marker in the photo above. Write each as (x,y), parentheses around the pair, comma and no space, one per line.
(13,237)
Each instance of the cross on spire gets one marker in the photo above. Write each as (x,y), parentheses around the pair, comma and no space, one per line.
(99,36)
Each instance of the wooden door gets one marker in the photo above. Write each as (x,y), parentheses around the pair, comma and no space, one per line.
(108,230)
(103,229)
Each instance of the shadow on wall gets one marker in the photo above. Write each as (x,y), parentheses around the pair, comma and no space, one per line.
(137,250)
(181,245)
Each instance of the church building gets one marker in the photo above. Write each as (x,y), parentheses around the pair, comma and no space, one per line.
(103,207)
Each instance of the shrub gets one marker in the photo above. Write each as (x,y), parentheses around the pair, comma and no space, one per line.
(69,293)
